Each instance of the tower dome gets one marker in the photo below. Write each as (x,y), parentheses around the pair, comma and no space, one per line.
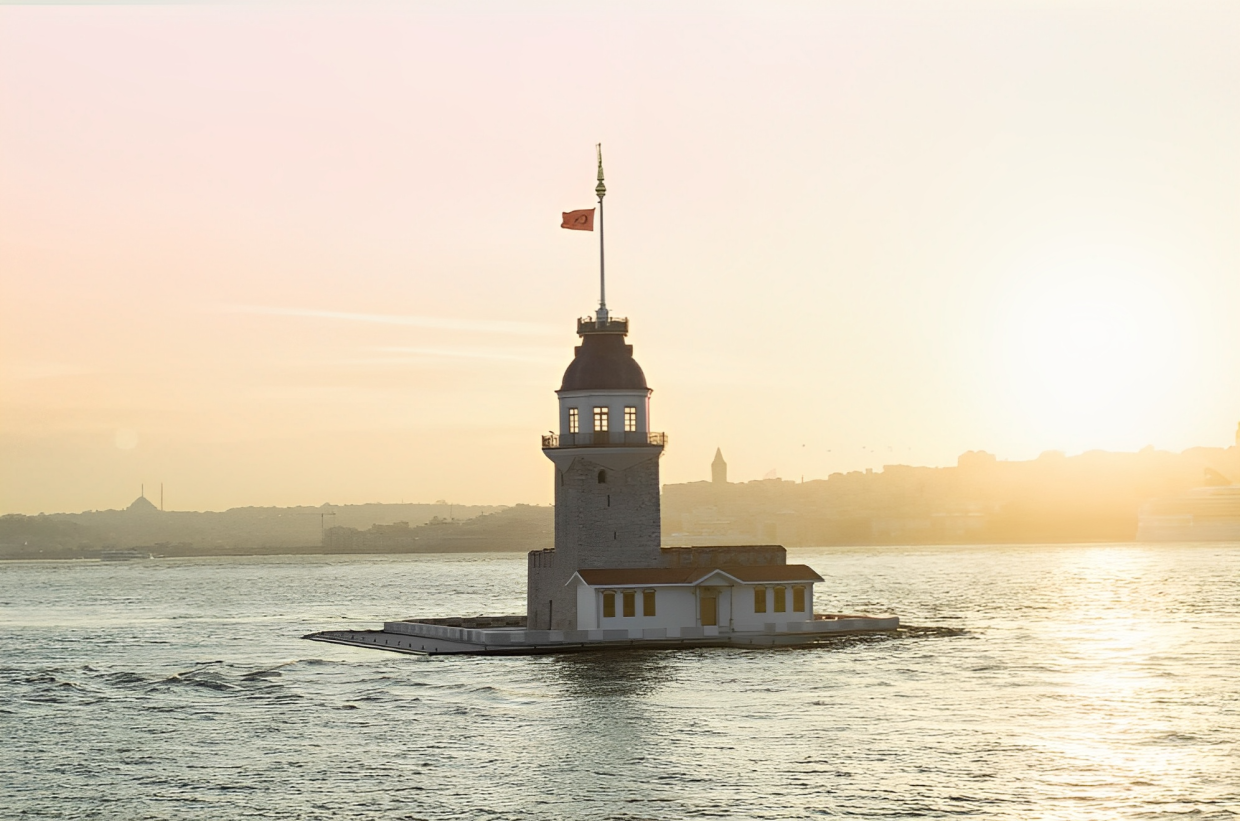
(603,362)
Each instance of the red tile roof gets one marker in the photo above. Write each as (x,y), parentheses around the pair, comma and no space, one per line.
(644,575)
(636,576)
(774,573)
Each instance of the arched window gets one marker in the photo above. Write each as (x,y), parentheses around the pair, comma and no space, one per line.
(759,599)
(602,477)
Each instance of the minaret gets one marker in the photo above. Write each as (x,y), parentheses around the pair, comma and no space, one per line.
(606,467)
(719,468)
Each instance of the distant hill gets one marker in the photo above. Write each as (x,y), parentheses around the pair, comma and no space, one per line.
(235,531)
(520,528)
(1095,496)
(32,536)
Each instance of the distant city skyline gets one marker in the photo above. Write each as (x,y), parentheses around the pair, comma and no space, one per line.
(277,255)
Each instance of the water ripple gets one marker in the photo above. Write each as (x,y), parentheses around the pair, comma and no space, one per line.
(1081,682)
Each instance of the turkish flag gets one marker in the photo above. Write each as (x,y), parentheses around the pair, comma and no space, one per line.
(579,220)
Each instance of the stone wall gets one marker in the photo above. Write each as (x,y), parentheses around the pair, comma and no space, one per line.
(610,523)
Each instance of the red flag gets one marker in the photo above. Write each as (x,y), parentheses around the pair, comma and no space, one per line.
(582,220)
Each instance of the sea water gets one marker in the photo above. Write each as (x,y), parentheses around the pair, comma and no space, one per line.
(1055,682)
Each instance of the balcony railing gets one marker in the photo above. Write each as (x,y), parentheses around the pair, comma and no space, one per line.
(604,439)
(614,325)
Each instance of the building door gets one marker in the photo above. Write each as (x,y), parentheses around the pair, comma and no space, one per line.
(710,609)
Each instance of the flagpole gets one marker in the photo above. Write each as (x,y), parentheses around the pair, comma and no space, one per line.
(601,190)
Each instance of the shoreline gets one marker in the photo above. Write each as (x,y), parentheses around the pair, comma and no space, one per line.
(250,552)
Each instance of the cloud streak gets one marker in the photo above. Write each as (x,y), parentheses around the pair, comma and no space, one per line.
(496,326)
(476,353)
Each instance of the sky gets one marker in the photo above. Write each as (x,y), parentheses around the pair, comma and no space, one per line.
(280,254)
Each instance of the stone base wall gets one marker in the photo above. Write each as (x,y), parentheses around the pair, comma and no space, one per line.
(608,518)
(549,603)
(603,518)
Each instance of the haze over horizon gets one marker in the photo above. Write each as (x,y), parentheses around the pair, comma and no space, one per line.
(282,255)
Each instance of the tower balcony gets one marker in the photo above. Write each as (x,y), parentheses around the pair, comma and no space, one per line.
(613,325)
(604,439)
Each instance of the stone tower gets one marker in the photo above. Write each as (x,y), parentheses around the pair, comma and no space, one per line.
(719,468)
(606,474)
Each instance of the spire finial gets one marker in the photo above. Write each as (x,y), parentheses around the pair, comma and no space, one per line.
(601,189)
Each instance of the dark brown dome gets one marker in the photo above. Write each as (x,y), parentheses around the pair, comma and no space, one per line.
(603,362)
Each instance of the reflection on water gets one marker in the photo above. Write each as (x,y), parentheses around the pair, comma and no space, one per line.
(608,675)
(1072,682)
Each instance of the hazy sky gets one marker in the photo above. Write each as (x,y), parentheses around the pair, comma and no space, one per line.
(282,254)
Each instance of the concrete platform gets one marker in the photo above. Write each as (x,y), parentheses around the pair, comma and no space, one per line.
(507,636)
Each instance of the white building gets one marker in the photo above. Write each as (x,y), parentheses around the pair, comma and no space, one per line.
(746,599)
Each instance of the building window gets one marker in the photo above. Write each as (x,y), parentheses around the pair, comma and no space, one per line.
(647,602)
(780,601)
(630,419)
(600,420)
(602,480)
(798,599)
(759,600)
(572,420)
(630,604)
(609,604)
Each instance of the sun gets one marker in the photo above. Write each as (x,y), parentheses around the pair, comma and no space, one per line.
(1090,350)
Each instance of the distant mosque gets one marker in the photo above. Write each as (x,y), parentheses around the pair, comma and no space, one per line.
(143,505)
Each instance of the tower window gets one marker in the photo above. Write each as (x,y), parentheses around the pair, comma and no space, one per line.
(572,420)
(647,602)
(602,480)
(759,599)
(600,420)
(798,599)
(781,602)
(609,604)
(630,419)
(630,604)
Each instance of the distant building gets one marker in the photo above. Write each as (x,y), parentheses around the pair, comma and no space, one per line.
(719,468)
(142,506)
(1203,514)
